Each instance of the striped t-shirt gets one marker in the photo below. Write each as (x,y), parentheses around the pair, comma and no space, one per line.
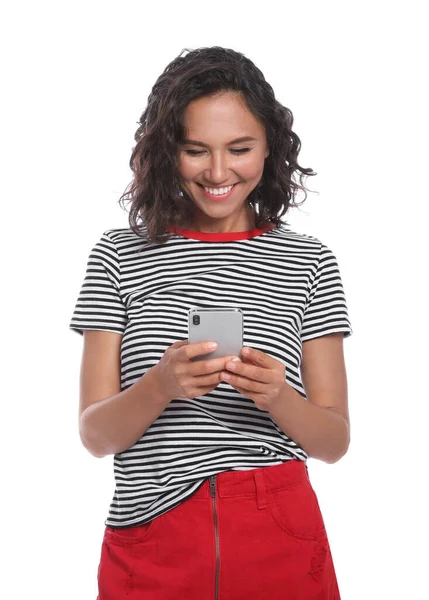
(289,288)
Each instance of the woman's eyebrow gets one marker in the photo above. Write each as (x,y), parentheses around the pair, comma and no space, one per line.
(238,140)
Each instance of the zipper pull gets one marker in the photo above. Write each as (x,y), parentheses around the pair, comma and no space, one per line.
(213,486)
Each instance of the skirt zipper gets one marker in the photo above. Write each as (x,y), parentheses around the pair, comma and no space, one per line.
(213,495)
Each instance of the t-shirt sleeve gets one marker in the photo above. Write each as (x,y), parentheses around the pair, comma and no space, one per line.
(99,304)
(326,308)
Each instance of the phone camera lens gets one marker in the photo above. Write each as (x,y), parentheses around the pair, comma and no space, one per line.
(196,319)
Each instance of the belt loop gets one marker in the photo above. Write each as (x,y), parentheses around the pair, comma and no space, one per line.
(261,497)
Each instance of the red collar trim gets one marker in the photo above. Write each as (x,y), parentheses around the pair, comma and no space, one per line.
(229,236)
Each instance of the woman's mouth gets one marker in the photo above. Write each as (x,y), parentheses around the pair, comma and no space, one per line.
(218,193)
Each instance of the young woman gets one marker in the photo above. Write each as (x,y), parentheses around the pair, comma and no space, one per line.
(213,499)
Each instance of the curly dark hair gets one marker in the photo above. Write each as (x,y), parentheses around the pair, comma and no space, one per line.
(157,202)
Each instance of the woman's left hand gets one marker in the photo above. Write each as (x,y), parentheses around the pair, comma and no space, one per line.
(260,377)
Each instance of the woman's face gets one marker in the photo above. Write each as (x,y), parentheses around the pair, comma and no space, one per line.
(210,157)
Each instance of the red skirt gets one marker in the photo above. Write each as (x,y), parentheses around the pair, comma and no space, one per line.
(244,535)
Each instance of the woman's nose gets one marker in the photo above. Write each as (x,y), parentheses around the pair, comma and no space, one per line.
(217,172)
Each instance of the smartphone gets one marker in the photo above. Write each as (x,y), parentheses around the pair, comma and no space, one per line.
(221,325)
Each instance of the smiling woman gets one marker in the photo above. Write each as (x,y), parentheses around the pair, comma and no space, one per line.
(221,172)
(213,497)
(213,120)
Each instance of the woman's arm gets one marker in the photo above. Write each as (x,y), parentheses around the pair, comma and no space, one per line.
(321,424)
(110,421)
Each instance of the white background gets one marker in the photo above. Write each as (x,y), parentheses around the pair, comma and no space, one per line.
(76,77)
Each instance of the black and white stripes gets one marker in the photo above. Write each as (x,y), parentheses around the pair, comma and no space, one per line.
(289,288)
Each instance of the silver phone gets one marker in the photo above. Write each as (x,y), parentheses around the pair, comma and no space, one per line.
(221,325)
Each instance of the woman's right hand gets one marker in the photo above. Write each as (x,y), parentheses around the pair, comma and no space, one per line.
(179,377)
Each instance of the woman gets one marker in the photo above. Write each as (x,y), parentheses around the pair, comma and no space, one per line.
(212,495)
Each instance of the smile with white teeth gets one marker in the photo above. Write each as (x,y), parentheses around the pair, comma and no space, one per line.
(218,191)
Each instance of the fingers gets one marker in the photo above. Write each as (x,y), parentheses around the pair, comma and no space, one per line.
(191,350)
(244,383)
(203,367)
(213,365)
(211,379)
(213,376)
(179,344)
(258,357)
(203,384)
(248,371)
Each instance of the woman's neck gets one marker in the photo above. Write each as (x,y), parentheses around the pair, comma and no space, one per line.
(246,223)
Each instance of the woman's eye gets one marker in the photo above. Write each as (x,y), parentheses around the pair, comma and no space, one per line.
(240,150)
(234,150)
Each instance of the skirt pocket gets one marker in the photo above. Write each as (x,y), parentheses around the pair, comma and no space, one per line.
(131,535)
(126,556)
(296,510)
